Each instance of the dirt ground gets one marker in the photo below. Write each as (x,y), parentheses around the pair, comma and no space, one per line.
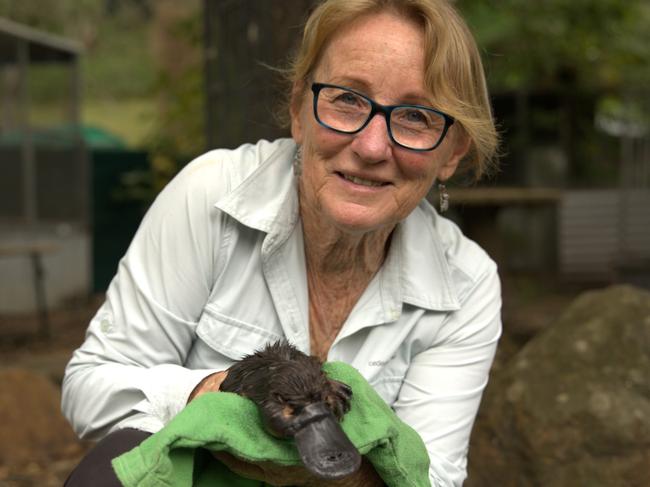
(22,350)
(528,307)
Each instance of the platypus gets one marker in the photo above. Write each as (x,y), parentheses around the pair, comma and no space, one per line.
(297,400)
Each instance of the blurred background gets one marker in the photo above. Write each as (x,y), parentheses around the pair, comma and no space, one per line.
(103,101)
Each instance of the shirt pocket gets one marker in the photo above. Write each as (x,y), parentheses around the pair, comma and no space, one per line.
(387,381)
(388,388)
(232,337)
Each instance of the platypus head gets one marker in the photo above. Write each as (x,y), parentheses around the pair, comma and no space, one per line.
(297,400)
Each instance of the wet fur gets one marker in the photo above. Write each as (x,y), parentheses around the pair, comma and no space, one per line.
(281,380)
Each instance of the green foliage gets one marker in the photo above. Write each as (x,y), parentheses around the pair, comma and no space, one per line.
(179,133)
(597,45)
(566,63)
(116,61)
(62,17)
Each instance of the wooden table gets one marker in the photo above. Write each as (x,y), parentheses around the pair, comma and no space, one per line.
(498,197)
(479,208)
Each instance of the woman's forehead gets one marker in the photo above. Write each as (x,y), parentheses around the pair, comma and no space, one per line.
(378,54)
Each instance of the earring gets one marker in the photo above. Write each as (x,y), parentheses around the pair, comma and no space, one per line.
(444,198)
(297,162)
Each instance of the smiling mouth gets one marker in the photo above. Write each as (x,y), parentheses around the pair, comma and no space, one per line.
(361,181)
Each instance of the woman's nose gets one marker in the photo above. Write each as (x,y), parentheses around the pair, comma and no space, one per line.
(373,144)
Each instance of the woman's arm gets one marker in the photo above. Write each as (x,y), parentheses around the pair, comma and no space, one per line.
(442,389)
(129,370)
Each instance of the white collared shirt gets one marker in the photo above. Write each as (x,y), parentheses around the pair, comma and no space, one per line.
(217,270)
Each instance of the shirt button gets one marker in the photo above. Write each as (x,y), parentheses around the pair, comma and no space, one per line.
(105,326)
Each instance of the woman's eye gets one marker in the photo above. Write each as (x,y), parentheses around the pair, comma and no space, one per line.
(347,99)
(416,116)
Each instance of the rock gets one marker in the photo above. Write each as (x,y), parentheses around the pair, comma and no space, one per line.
(32,428)
(572,408)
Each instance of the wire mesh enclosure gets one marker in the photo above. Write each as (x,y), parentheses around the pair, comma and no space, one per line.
(42,158)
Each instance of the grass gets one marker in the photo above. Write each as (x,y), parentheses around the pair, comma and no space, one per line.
(131,119)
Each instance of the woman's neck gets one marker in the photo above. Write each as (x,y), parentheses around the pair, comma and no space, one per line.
(331,251)
(339,267)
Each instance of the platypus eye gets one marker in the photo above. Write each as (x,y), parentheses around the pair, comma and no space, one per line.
(288,406)
(296,407)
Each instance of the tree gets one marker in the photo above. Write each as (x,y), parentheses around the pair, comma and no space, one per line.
(598,45)
(559,64)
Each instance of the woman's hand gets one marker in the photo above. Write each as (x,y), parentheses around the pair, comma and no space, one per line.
(279,475)
(209,384)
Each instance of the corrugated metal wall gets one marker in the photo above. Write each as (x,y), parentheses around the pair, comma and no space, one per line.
(602,231)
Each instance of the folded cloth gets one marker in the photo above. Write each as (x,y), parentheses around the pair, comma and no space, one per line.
(178,455)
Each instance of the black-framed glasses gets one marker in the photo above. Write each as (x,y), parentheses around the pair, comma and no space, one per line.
(347,111)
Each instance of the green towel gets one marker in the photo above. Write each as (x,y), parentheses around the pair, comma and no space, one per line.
(177,455)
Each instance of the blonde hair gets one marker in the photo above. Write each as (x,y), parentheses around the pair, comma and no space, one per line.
(453,71)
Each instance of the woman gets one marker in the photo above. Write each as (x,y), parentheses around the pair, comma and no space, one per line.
(324,239)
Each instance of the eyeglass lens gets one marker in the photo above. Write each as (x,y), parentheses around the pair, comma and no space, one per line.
(346,111)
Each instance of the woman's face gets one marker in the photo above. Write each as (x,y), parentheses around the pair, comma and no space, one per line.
(365,182)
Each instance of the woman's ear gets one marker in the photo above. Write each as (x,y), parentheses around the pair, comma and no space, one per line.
(295,110)
(461,145)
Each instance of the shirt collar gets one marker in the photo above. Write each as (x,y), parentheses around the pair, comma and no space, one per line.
(267,199)
(416,270)
(425,279)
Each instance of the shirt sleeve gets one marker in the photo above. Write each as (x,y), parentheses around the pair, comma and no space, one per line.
(129,370)
(442,389)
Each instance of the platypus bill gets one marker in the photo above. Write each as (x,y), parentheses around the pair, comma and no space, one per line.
(297,400)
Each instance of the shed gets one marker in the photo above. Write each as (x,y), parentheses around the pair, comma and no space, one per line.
(28,193)
(44,189)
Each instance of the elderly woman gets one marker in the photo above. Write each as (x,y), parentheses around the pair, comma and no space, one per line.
(324,239)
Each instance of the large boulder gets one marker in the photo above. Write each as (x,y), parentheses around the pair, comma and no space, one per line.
(572,408)
(32,428)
